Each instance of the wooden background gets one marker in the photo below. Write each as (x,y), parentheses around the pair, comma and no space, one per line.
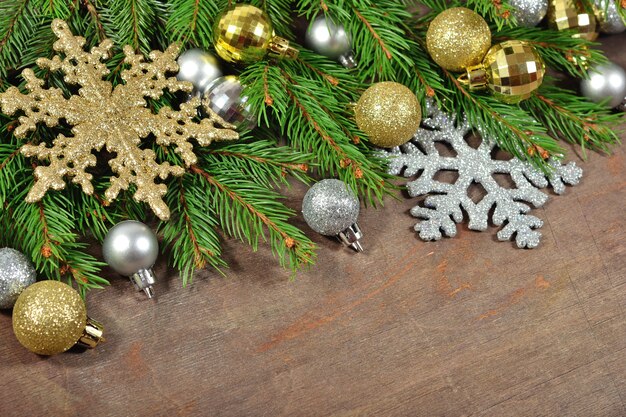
(464,326)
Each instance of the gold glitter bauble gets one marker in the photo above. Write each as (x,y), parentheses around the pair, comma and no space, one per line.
(113,118)
(245,34)
(458,38)
(570,14)
(389,113)
(512,70)
(49,317)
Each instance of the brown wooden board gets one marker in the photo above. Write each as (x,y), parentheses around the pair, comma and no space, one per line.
(463,326)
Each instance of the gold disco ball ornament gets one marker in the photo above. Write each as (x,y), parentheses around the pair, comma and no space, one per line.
(50,317)
(388,113)
(458,38)
(244,34)
(570,14)
(512,70)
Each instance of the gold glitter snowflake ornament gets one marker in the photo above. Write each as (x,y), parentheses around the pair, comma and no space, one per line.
(115,118)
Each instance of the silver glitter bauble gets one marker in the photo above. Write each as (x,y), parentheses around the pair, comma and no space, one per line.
(606,80)
(16,273)
(224,98)
(529,12)
(330,40)
(131,248)
(198,67)
(609,18)
(329,207)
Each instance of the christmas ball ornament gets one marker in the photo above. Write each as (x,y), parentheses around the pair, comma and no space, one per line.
(606,81)
(569,14)
(388,113)
(512,70)
(198,67)
(608,16)
(49,317)
(245,34)
(331,209)
(331,40)
(458,38)
(16,273)
(223,96)
(529,12)
(131,248)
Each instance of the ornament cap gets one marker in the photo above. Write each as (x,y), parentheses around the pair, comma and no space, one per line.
(92,335)
(350,236)
(280,48)
(348,60)
(143,280)
(475,77)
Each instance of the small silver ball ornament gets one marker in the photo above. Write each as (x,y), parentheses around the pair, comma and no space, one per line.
(331,209)
(330,40)
(608,17)
(606,80)
(529,12)
(198,67)
(131,248)
(16,273)
(224,98)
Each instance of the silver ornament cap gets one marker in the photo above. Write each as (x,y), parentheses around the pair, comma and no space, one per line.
(199,68)
(606,80)
(330,40)
(331,209)
(529,12)
(224,97)
(16,273)
(131,248)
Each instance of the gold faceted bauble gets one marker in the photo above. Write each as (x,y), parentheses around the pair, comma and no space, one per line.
(49,317)
(570,14)
(389,113)
(458,38)
(244,33)
(512,70)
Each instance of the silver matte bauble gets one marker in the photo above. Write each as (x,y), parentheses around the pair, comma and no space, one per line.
(606,81)
(224,98)
(131,248)
(529,12)
(609,18)
(330,40)
(199,68)
(16,273)
(331,209)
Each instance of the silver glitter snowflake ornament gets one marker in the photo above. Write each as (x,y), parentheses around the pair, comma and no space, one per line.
(442,210)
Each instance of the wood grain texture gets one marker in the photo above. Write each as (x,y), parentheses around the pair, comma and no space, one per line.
(464,326)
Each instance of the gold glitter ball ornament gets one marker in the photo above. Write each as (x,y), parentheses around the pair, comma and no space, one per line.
(458,38)
(49,317)
(570,14)
(245,34)
(512,70)
(117,119)
(388,113)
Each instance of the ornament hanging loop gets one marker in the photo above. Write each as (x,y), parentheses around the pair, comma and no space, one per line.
(280,48)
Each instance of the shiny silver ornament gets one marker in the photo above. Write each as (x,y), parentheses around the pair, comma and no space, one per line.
(224,98)
(16,273)
(606,80)
(199,68)
(608,17)
(330,40)
(331,209)
(131,248)
(529,12)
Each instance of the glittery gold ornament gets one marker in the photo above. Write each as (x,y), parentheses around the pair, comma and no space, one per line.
(49,317)
(512,70)
(113,118)
(458,38)
(244,33)
(571,14)
(388,113)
